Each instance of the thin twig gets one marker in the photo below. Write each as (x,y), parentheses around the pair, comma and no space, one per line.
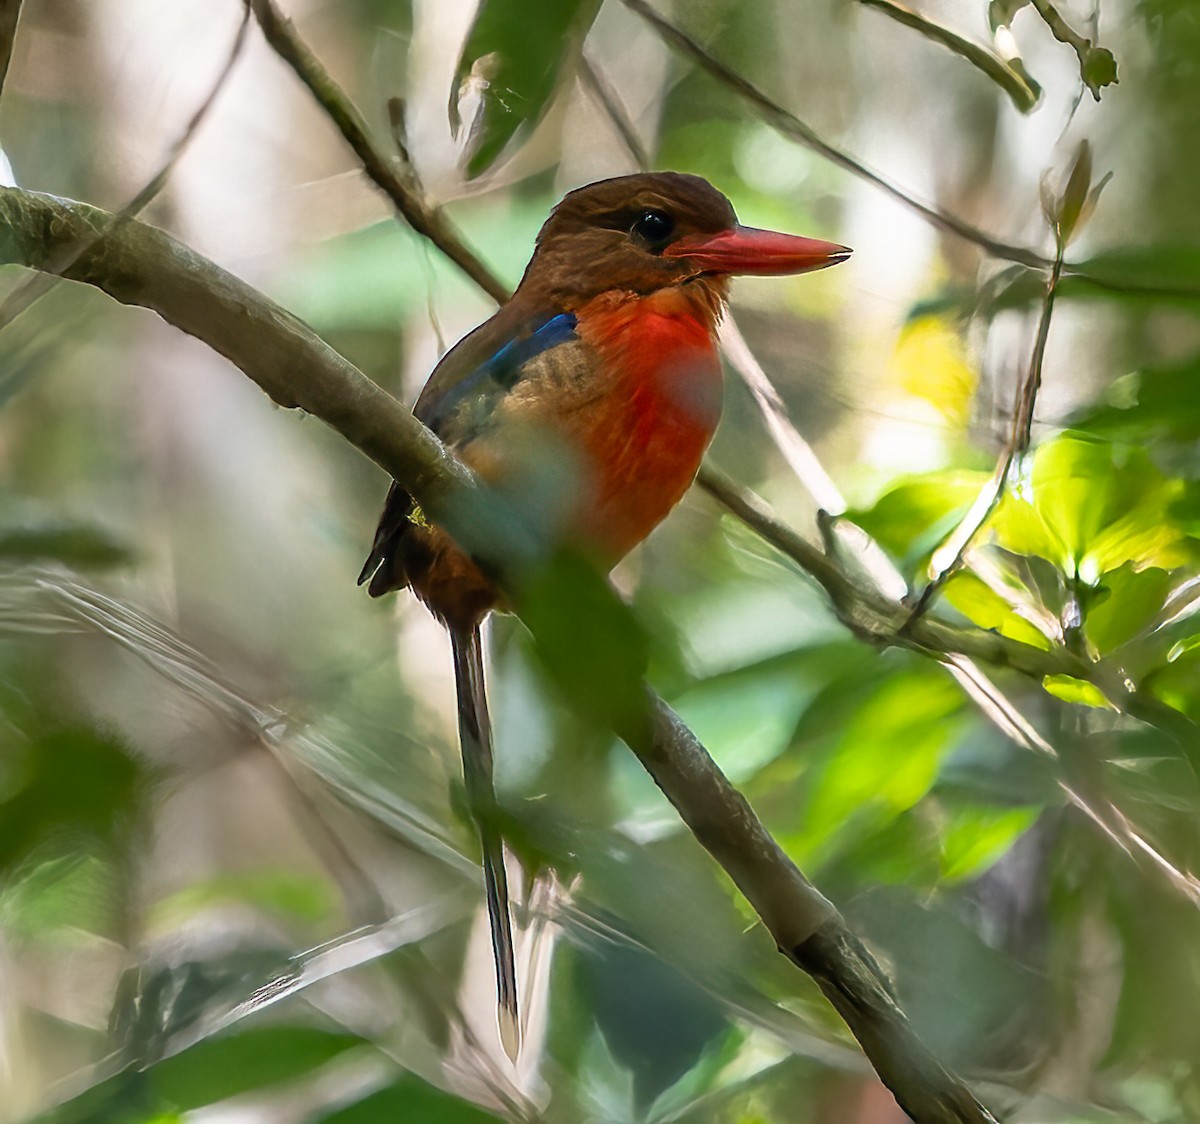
(791,125)
(615,110)
(414,208)
(959,543)
(1023,93)
(1097,66)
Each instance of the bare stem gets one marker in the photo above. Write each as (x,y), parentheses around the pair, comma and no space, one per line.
(413,207)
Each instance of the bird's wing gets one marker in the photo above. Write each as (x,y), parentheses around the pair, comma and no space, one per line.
(462,395)
(461,400)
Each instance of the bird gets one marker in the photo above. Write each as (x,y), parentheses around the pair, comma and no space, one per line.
(605,362)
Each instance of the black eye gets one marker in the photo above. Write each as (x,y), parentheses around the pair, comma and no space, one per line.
(653,226)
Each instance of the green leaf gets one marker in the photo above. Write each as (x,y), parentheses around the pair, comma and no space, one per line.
(209,1072)
(1153,404)
(1072,690)
(588,640)
(1075,202)
(75,781)
(887,756)
(254,1059)
(983,605)
(1126,602)
(1091,506)
(913,516)
(84,545)
(1170,270)
(977,836)
(409,1099)
(514,55)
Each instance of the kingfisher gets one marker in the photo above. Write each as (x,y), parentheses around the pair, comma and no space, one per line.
(605,361)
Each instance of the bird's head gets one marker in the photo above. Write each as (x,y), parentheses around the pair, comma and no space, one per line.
(646,232)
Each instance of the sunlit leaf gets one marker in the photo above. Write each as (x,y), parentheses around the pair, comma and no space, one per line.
(513,56)
(975,837)
(887,756)
(1091,506)
(913,516)
(983,605)
(931,362)
(1126,601)
(1072,690)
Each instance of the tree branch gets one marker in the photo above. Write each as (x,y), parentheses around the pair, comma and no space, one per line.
(791,126)
(139,265)
(1023,93)
(410,202)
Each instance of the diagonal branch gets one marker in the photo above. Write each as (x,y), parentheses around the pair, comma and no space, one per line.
(1023,92)
(801,132)
(389,176)
(139,265)
(885,622)
(24,296)
(955,549)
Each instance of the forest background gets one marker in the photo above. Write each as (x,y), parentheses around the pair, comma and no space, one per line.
(237,877)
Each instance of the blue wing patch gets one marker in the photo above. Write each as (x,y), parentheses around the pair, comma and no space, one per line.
(505,366)
(497,375)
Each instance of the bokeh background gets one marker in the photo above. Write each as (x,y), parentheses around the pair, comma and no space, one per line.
(237,878)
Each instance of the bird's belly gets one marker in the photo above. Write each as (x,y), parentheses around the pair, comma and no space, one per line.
(642,441)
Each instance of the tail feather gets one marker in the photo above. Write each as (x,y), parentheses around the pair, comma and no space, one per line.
(475,739)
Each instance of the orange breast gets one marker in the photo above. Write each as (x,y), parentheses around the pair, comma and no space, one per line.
(643,438)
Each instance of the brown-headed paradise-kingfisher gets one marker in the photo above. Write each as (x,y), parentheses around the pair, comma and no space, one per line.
(606,356)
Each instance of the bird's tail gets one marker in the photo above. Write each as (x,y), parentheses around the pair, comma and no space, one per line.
(475,739)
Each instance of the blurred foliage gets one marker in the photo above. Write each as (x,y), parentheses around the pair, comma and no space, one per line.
(237,876)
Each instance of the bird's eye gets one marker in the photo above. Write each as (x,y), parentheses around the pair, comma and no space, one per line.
(654,227)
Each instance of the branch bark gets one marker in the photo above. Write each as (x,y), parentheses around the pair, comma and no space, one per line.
(402,189)
(139,265)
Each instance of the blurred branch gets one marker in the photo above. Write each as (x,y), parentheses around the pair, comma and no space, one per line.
(139,265)
(23,296)
(1021,90)
(791,126)
(1097,66)
(616,112)
(874,618)
(878,569)
(388,175)
(10,12)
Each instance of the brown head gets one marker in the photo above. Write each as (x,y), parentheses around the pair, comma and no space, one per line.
(646,232)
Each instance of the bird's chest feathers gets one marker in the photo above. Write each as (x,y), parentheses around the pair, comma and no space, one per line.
(655,410)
